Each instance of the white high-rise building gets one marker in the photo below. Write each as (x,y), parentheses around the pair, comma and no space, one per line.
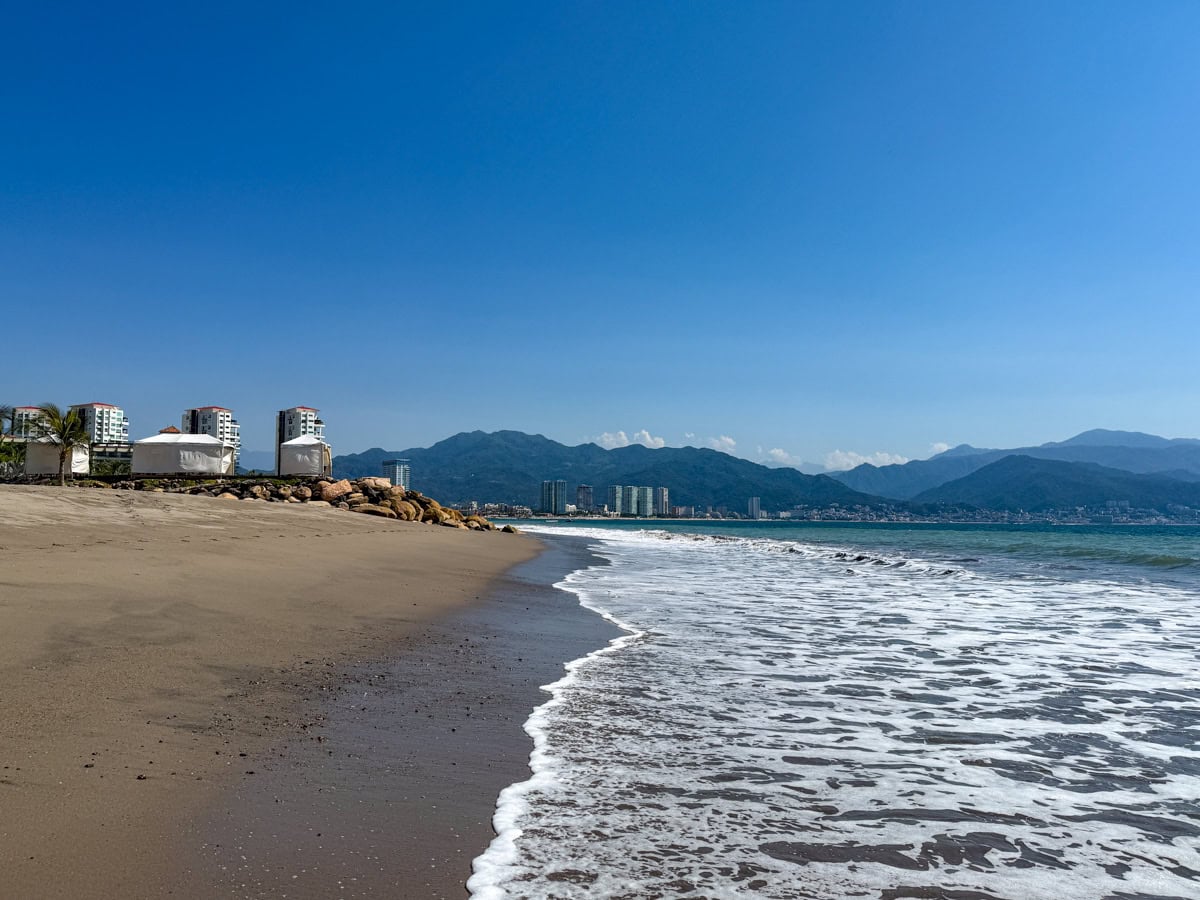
(615,493)
(754,508)
(25,419)
(296,422)
(629,500)
(662,503)
(645,502)
(399,471)
(215,421)
(105,423)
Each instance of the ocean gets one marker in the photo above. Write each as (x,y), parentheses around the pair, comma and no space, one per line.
(868,711)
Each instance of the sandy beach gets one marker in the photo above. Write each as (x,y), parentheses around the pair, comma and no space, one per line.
(173,669)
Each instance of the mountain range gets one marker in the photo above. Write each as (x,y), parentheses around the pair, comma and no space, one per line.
(1130,451)
(1038,485)
(1087,470)
(509,467)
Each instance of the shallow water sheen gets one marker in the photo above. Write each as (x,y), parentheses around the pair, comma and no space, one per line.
(792,720)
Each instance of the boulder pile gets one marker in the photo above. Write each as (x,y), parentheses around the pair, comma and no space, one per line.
(371,496)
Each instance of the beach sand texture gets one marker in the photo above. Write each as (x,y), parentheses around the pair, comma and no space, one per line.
(155,649)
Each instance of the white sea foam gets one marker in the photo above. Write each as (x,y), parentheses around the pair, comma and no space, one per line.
(793,721)
(500,863)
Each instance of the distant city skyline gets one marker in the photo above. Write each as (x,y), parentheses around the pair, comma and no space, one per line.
(852,233)
(264,435)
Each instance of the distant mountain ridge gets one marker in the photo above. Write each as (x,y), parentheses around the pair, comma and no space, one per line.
(1036,485)
(1130,451)
(1103,437)
(509,466)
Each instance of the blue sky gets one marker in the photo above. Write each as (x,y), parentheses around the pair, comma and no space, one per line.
(810,228)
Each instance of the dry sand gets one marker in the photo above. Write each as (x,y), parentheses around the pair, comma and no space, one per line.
(156,649)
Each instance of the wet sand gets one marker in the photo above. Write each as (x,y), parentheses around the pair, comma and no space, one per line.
(162,655)
(393,795)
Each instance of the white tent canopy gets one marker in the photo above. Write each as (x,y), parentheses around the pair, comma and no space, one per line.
(170,454)
(305,455)
(41,458)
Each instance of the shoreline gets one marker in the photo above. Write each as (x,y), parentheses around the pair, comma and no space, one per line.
(395,797)
(159,654)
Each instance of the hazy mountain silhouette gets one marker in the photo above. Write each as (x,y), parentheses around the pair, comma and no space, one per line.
(1128,450)
(1036,485)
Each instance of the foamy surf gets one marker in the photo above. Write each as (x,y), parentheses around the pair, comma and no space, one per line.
(798,721)
(498,864)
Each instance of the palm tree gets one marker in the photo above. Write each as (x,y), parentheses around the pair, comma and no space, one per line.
(9,464)
(65,428)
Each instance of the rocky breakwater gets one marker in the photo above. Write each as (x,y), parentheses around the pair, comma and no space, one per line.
(370,496)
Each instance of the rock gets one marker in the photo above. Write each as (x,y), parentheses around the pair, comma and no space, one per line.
(302,492)
(335,491)
(379,484)
(228,496)
(405,510)
(474,526)
(283,491)
(291,500)
(354,495)
(450,523)
(396,493)
(324,503)
(343,505)
(373,509)
(481,522)
(509,529)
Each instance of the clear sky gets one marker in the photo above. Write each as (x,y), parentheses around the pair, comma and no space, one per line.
(812,228)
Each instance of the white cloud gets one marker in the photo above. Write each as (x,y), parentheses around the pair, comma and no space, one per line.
(938,447)
(689,435)
(840,460)
(608,440)
(780,457)
(611,440)
(646,439)
(724,443)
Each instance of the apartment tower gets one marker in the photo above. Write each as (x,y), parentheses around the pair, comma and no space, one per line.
(554,497)
(215,421)
(105,423)
(662,503)
(296,422)
(399,471)
(645,502)
(24,421)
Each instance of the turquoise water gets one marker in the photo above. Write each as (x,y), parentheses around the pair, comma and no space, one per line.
(817,711)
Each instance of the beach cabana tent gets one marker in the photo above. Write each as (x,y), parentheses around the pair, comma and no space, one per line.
(305,455)
(178,454)
(41,458)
